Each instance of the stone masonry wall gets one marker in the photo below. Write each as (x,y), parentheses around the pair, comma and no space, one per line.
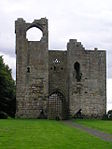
(88,93)
(77,77)
(32,70)
(58,76)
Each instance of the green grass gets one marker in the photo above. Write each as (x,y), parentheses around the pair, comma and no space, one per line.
(46,134)
(103,125)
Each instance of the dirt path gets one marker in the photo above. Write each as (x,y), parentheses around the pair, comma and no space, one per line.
(102,135)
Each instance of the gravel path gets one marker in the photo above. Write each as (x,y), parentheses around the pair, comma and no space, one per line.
(102,135)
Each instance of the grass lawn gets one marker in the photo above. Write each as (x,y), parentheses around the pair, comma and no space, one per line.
(46,134)
(103,125)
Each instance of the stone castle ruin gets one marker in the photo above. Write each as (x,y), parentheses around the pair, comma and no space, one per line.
(54,83)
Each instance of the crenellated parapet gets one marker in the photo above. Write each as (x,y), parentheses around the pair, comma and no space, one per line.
(75,45)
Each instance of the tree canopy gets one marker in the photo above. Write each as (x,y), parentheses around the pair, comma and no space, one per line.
(7,91)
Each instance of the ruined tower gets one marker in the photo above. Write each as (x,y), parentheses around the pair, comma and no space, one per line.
(32,69)
(87,80)
(56,84)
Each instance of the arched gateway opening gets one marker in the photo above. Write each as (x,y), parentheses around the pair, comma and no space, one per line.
(56,105)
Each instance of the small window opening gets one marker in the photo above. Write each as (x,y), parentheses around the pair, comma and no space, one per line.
(77,45)
(77,69)
(28,69)
(54,68)
(61,68)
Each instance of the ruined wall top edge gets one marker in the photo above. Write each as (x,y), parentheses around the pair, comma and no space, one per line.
(42,24)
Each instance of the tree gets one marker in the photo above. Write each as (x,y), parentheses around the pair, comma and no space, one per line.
(7,91)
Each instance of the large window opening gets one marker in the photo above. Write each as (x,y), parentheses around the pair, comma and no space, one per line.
(34,34)
(77,69)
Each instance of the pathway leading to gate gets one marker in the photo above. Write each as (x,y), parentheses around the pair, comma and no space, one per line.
(102,135)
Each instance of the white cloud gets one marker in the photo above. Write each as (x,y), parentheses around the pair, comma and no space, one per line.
(89,21)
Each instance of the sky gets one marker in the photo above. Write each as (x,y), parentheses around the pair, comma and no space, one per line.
(88,21)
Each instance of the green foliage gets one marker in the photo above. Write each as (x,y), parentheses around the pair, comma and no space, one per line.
(46,134)
(102,125)
(7,91)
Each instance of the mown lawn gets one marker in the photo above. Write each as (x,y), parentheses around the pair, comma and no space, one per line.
(103,125)
(46,134)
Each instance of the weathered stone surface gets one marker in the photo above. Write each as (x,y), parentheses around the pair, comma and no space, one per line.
(52,81)
(88,94)
(32,70)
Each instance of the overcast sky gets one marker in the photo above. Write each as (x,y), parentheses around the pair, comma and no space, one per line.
(88,21)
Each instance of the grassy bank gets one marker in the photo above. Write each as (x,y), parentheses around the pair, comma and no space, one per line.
(102,125)
(45,134)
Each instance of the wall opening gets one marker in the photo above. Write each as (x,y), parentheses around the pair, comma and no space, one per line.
(77,69)
(55,105)
(28,69)
(34,34)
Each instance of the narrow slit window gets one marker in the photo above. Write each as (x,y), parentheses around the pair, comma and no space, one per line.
(54,68)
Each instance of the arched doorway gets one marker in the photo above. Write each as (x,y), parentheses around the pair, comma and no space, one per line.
(56,105)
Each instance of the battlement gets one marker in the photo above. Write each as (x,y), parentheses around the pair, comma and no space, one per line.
(75,45)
